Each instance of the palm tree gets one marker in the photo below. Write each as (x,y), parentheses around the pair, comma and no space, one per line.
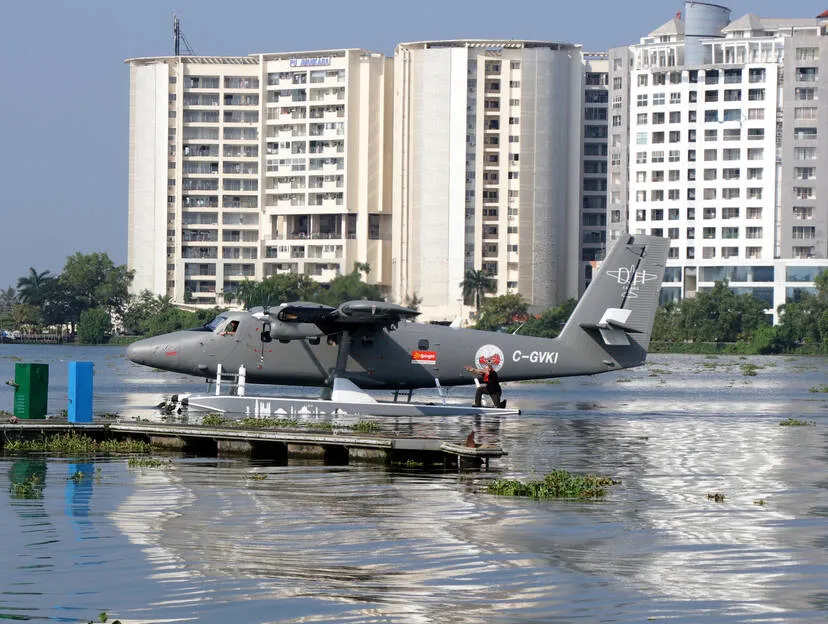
(30,289)
(475,285)
(8,298)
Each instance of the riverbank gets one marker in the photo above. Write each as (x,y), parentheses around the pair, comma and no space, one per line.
(731,348)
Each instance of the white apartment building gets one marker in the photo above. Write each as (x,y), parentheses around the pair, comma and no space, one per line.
(487,170)
(718,141)
(246,167)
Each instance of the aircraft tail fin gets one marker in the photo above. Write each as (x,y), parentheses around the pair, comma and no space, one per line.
(618,308)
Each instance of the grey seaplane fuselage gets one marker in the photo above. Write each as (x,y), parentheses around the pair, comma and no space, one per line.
(608,330)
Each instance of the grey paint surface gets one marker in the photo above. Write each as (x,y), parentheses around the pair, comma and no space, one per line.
(414,355)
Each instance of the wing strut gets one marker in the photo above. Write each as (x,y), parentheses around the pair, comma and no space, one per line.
(343,351)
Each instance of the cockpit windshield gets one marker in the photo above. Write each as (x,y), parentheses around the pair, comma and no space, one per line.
(216,323)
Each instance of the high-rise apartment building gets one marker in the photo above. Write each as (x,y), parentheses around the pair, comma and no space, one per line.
(594,165)
(718,141)
(487,170)
(247,167)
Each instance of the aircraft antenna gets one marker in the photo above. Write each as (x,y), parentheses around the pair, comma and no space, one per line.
(178,38)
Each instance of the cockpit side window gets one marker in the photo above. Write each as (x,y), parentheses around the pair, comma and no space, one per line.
(216,323)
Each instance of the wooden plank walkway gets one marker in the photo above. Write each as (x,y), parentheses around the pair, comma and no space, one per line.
(275,444)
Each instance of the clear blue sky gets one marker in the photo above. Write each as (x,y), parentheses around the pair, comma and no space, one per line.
(64,106)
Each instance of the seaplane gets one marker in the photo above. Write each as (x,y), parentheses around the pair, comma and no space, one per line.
(361,346)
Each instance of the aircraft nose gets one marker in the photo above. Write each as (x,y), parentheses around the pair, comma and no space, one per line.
(152,351)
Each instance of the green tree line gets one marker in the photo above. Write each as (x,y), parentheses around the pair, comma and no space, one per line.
(717,315)
(91,295)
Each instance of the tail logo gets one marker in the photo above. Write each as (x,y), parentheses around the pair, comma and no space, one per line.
(628,276)
(489,354)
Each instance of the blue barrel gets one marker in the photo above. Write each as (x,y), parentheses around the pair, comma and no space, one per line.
(80,392)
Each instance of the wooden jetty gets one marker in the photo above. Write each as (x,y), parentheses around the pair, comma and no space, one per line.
(275,444)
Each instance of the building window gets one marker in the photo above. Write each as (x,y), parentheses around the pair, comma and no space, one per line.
(805,94)
(803,232)
(805,153)
(807,74)
(807,54)
(803,212)
(805,113)
(806,134)
(804,192)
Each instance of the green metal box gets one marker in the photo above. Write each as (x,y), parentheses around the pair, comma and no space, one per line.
(31,390)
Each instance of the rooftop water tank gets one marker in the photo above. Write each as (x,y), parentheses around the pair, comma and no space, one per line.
(702,20)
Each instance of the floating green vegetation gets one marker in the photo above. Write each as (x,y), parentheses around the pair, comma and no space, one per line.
(711,356)
(30,488)
(318,426)
(749,370)
(263,423)
(660,371)
(796,422)
(716,496)
(75,444)
(217,420)
(408,463)
(760,501)
(77,477)
(822,388)
(213,419)
(103,617)
(148,462)
(367,426)
(256,476)
(557,484)
(541,381)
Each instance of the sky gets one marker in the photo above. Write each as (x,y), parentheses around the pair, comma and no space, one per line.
(64,108)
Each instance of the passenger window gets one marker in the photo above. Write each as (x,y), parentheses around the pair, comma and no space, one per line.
(422,345)
(314,340)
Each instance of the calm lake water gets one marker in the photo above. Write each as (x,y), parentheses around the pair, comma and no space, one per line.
(199,540)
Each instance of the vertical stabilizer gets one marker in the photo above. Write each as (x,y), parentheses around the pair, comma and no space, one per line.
(619,305)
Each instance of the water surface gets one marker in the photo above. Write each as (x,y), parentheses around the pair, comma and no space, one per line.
(199,540)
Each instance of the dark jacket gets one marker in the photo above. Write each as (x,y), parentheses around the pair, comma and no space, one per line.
(491,380)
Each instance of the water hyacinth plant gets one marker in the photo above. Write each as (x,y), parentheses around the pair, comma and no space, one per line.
(556,484)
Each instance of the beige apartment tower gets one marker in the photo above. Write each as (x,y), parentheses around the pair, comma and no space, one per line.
(487,170)
(246,167)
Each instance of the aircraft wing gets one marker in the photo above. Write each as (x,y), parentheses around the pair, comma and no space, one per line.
(348,316)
